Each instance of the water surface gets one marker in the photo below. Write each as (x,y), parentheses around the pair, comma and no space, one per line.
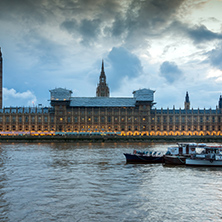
(92,182)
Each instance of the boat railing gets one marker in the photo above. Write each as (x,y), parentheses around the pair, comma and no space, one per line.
(147,153)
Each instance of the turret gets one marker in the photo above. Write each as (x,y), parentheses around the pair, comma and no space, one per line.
(187,102)
(220,102)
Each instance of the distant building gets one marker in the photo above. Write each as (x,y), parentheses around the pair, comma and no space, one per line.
(134,115)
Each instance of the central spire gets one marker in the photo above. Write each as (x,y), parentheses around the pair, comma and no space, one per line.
(187,102)
(102,88)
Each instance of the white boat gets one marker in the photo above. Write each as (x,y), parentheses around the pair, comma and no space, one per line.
(178,155)
(210,156)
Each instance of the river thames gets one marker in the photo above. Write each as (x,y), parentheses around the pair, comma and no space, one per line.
(92,182)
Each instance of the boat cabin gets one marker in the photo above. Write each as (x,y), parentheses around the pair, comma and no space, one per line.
(185,148)
(213,149)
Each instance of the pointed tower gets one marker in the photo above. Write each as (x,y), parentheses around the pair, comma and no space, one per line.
(0,79)
(102,89)
(187,102)
(220,103)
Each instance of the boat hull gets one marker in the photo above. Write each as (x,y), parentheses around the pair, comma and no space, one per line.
(203,162)
(174,160)
(133,158)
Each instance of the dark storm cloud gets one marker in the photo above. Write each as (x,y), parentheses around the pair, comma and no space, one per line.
(144,18)
(170,71)
(215,57)
(123,64)
(25,11)
(201,34)
(198,33)
(70,25)
(123,20)
(88,29)
(91,20)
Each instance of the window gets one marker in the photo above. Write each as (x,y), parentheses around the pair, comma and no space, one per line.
(129,111)
(177,119)
(183,119)
(82,111)
(201,119)
(96,111)
(102,119)
(102,111)
(116,111)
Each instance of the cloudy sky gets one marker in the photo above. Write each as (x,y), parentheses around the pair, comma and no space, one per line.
(170,46)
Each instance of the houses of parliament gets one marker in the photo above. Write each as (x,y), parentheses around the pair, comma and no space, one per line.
(103,114)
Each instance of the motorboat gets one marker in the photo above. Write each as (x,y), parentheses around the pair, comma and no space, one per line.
(210,156)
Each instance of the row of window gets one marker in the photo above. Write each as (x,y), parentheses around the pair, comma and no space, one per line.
(26,119)
(109,119)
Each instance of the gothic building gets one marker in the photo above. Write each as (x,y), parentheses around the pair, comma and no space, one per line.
(103,114)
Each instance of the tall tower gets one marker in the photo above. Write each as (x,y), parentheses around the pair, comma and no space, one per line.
(102,89)
(0,79)
(220,102)
(187,102)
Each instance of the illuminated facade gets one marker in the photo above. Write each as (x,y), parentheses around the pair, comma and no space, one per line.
(103,114)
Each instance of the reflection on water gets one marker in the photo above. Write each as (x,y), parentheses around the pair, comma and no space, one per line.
(92,182)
